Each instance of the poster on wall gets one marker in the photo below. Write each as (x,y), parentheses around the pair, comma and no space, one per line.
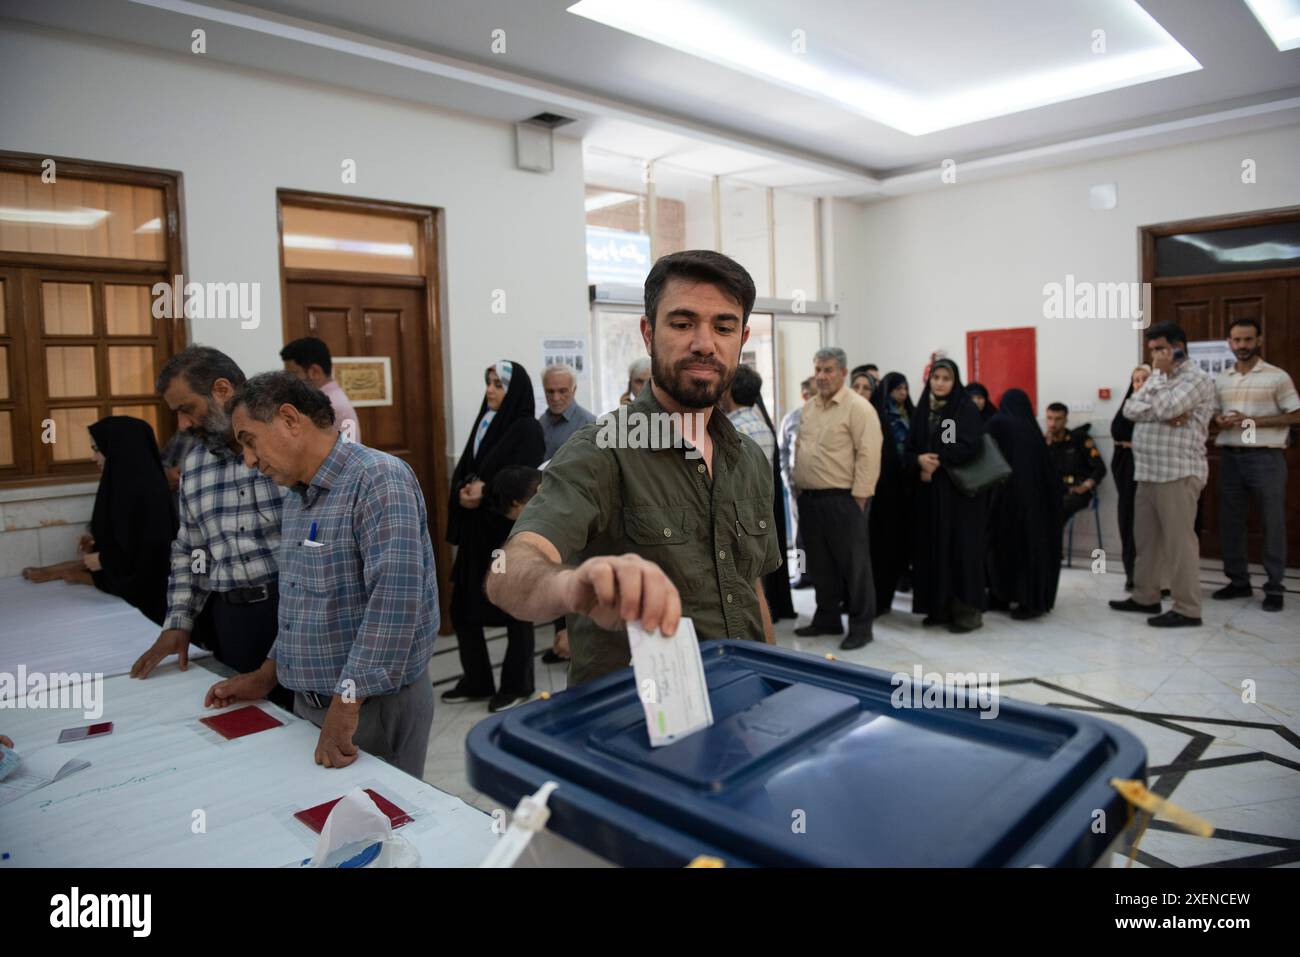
(1213,357)
(366,380)
(566,350)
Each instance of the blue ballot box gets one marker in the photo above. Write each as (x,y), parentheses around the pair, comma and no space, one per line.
(812,762)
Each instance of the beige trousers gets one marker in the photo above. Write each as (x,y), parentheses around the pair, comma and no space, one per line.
(1164,534)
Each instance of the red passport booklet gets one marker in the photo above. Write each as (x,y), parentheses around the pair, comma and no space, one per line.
(314,817)
(247,720)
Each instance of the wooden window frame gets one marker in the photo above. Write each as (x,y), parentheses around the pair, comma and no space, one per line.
(34,466)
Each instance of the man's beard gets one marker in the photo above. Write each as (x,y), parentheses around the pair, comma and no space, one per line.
(684,388)
(215,430)
(1250,354)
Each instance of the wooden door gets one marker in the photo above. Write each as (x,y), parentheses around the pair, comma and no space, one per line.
(1204,308)
(357,319)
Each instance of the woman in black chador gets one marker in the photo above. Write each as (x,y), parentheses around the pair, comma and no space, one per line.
(1027,513)
(505,433)
(890,522)
(951,528)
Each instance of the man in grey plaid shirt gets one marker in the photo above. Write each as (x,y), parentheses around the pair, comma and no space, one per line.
(1172,411)
(222,590)
(358,588)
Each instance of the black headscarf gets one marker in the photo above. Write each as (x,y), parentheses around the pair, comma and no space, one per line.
(886,410)
(1025,531)
(989,410)
(956,400)
(513,437)
(134,519)
(1121,428)
(776,584)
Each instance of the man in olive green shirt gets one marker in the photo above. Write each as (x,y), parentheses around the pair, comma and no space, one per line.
(662,509)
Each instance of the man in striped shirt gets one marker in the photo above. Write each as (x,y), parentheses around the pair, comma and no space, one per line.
(1258,406)
(358,593)
(1172,411)
(222,590)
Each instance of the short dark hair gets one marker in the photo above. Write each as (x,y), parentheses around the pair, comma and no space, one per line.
(871,367)
(700,265)
(309,351)
(263,395)
(1059,407)
(201,366)
(514,483)
(1170,331)
(1245,321)
(747,385)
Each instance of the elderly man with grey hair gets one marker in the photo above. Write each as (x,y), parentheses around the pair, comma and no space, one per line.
(638,374)
(563,415)
(836,465)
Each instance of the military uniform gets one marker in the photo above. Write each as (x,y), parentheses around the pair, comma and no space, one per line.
(1076,459)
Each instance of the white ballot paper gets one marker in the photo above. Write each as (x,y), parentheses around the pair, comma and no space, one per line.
(39,768)
(670,682)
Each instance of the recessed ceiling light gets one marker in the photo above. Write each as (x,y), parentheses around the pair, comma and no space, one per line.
(1280,20)
(903,72)
(80,218)
(330,244)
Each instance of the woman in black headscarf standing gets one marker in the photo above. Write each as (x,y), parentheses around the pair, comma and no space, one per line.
(1027,514)
(890,522)
(505,433)
(980,396)
(951,528)
(128,550)
(1121,470)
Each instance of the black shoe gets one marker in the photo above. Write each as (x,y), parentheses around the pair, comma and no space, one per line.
(854,641)
(997,604)
(1172,619)
(458,694)
(504,700)
(1022,613)
(1273,601)
(957,629)
(814,631)
(551,658)
(1128,604)
(1230,591)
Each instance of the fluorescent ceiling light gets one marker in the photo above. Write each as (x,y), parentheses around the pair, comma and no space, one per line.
(80,218)
(604,200)
(1255,252)
(153,226)
(733,34)
(1280,20)
(330,244)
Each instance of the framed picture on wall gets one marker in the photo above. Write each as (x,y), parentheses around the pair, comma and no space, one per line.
(367,380)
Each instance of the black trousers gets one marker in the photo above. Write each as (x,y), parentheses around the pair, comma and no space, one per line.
(1121,466)
(239,636)
(516,669)
(839,560)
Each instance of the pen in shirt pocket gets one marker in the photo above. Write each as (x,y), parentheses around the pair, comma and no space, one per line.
(310,540)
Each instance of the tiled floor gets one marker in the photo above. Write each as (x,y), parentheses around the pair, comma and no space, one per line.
(1213,747)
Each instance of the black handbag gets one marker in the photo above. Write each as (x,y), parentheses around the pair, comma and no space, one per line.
(987,469)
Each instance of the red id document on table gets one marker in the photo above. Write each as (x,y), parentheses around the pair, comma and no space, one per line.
(314,817)
(247,720)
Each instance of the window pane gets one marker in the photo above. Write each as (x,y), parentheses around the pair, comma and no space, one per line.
(350,242)
(148,413)
(685,209)
(1270,246)
(68,311)
(76,217)
(618,219)
(70,370)
(2,308)
(6,439)
(130,370)
(759,355)
(794,224)
(619,335)
(128,310)
(4,372)
(744,231)
(71,440)
(797,343)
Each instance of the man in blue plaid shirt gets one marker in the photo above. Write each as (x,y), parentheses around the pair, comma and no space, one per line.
(222,590)
(358,588)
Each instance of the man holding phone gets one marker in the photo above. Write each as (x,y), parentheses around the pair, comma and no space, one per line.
(1172,412)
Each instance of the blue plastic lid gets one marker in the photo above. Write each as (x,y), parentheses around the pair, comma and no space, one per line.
(808,763)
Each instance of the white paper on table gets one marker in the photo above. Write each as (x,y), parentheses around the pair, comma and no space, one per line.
(36,770)
(353,824)
(670,682)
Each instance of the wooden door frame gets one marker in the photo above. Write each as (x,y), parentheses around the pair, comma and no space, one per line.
(1147,236)
(432,267)
(175,332)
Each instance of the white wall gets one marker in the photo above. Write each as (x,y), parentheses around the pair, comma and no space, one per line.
(237,135)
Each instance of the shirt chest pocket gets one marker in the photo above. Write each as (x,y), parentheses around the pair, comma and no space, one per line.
(319,581)
(661,535)
(754,529)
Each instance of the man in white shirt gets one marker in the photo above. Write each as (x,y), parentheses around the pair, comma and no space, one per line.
(1258,406)
(309,359)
